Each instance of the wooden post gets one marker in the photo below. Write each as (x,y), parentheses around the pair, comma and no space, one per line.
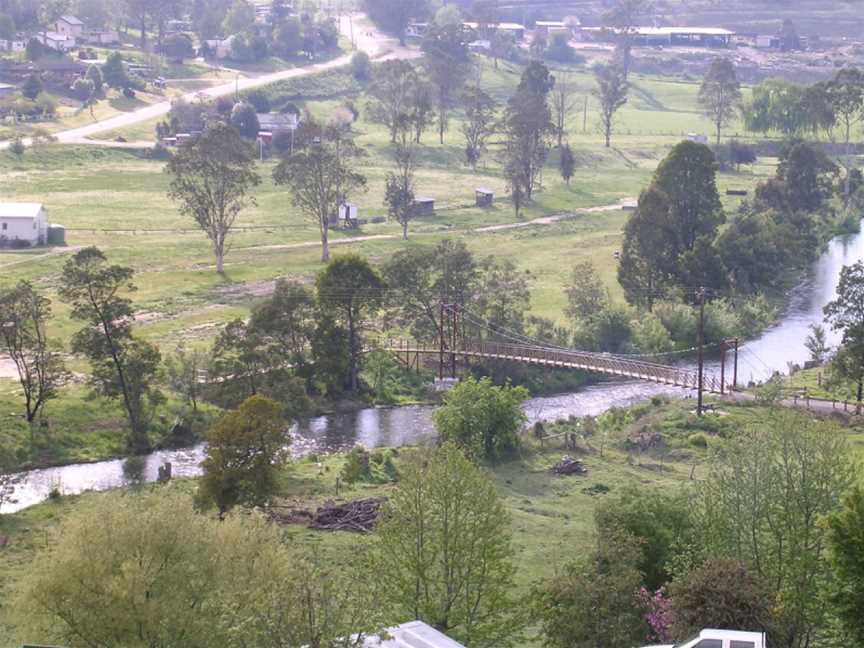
(723,368)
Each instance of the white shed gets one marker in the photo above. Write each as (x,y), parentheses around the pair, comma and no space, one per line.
(23,222)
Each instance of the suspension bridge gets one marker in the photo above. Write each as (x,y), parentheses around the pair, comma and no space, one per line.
(461,340)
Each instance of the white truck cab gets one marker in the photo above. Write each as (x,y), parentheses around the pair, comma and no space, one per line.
(711,638)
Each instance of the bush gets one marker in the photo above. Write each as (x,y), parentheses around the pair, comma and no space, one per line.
(698,440)
(32,87)
(82,89)
(361,66)
(484,420)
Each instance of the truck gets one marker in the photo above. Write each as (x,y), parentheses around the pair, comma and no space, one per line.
(713,638)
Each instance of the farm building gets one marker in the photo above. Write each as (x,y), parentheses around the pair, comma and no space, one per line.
(69,26)
(517,30)
(669,36)
(23,224)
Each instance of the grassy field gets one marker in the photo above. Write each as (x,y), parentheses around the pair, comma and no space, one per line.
(552,516)
(117,200)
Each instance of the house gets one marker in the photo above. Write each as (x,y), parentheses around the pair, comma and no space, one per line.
(220,49)
(101,36)
(7,90)
(23,224)
(415,634)
(57,41)
(69,26)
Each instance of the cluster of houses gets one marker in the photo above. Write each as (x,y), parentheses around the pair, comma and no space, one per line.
(67,33)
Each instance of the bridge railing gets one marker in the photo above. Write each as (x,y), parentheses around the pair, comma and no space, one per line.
(589,361)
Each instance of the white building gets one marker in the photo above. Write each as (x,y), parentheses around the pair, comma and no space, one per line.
(57,41)
(415,634)
(23,222)
(69,26)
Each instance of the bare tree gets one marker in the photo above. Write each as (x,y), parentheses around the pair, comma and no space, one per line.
(720,94)
(392,89)
(399,189)
(624,16)
(612,93)
(23,318)
(211,180)
(564,101)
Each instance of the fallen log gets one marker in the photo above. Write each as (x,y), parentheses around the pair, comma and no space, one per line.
(358,516)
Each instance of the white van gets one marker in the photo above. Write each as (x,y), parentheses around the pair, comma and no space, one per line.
(711,638)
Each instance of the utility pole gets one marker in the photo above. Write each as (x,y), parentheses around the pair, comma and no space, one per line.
(585,116)
(441,345)
(701,345)
(735,369)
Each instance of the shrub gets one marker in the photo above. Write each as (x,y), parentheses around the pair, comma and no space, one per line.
(361,66)
(481,418)
(82,89)
(698,440)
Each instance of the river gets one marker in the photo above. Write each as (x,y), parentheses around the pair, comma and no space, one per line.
(394,427)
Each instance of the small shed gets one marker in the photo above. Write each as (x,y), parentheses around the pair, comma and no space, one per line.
(349,213)
(23,224)
(424,206)
(484,197)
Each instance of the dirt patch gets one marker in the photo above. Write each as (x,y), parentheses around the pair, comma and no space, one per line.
(240,291)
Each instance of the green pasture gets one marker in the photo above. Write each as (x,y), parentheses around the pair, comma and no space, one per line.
(116,200)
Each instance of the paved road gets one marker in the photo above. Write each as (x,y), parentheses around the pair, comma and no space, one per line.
(367,39)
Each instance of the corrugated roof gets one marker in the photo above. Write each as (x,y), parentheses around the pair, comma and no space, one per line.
(72,20)
(20,210)
(415,634)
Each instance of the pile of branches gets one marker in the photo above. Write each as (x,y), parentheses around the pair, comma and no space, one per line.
(358,516)
(569,466)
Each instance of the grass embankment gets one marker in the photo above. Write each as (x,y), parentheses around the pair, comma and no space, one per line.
(117,200)
(552,516)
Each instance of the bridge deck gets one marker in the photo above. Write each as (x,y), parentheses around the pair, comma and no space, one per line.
(605,364)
